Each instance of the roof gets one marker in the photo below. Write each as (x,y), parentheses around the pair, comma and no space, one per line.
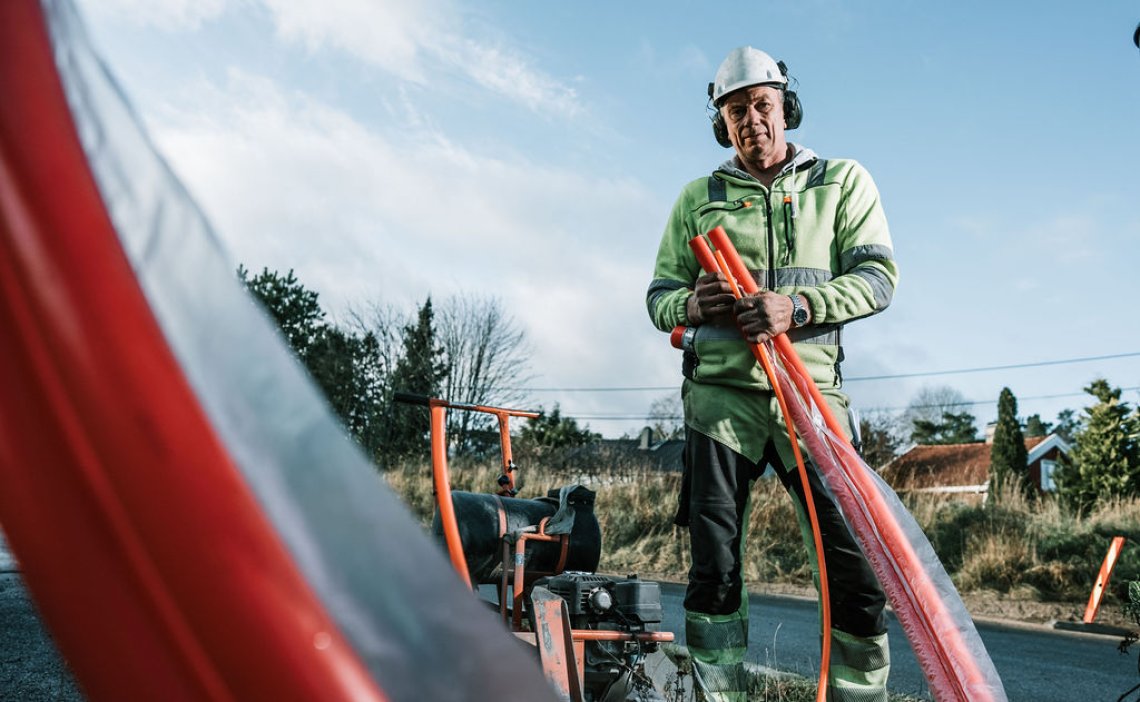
(936,465)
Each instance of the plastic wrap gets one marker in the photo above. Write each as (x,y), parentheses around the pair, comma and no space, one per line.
(171,480)
(940,630)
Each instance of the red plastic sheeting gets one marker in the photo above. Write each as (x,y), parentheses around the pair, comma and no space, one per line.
(191,518)
(117,497)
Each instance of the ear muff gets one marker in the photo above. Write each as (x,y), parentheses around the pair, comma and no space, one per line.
(720,129)
(793,112)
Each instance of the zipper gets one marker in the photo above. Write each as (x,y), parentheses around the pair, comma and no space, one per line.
(724,206)
(789,230)
(770,275)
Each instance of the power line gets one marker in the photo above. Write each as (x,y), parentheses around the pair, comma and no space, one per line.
(962,403)
(856,379)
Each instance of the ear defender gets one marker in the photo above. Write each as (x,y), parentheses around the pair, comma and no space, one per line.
(793,110)
(720,129)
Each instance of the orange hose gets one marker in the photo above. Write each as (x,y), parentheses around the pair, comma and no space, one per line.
(706,257)
(916,599)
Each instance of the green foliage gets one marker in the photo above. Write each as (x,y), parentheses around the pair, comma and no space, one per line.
(1008,457)
(344,365)
(1106,458)
(954,428)
(553,431)
(1067,424)
(1035,427)
(420,370)
(881,442)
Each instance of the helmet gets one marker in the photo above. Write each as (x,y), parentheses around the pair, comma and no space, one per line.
(743,67)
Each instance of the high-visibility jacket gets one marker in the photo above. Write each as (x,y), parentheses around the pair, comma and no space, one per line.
(819,231)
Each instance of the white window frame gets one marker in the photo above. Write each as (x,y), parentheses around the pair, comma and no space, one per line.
(1047,469)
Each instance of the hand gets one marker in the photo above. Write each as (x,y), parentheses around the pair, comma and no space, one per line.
(711,301)
(763,315)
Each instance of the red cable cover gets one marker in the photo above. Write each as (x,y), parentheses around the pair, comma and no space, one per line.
(147,554)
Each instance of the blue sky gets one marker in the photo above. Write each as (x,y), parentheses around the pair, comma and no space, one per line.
(531,151)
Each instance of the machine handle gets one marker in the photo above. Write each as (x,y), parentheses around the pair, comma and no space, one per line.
(412,398)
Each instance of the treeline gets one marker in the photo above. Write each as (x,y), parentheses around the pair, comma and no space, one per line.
(466,349)
(1104,464)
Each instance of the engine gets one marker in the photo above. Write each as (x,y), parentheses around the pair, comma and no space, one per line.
(613,670)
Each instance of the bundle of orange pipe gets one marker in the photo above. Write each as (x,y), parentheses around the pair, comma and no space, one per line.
(949,652)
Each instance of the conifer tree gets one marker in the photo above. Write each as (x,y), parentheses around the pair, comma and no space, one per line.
(1106,457)
(1008,457)
(420,370)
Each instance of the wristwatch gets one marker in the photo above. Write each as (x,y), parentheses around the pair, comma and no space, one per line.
(799,312)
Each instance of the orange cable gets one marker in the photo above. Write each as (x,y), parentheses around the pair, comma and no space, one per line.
(761,354)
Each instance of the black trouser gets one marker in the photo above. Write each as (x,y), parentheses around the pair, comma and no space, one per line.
(714,497)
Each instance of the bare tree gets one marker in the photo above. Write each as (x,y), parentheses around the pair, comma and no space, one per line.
(881,435)
(385,323)
(931,402)
(667,416)
(488,356)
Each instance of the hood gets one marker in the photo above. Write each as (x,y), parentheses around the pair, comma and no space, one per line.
(801,157)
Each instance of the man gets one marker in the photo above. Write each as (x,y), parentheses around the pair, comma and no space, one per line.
(813,233)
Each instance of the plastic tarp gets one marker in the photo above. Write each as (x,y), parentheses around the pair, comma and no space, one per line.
(192,521)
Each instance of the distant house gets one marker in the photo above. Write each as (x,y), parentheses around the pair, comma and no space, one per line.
(645,451)
(965,468)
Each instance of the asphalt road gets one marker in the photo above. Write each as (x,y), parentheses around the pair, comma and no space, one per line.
(1036,663)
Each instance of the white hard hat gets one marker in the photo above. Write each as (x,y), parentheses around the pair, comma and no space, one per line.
(743,67)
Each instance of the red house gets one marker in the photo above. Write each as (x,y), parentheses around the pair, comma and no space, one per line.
(965,468)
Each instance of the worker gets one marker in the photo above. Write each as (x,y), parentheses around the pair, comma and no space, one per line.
(813,233)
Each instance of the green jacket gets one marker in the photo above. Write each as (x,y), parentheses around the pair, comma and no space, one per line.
(836,252)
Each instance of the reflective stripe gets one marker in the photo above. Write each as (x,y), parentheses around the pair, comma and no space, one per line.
(880,285)
(718,189)
(859,254)
(713,636)
(816,174)
(790,277)
(825,334)
(803,277)
(660,287)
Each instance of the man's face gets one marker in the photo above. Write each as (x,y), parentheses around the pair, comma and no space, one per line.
(755,120)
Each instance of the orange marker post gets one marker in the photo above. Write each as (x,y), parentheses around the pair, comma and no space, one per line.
(1097,593)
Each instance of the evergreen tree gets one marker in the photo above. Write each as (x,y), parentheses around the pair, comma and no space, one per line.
(879,434)
(1106,457)
(1008,457)
(553,431)
(1035,427)
(295,309)
(955,428)
(1067,424)
(420,370)
(342,364)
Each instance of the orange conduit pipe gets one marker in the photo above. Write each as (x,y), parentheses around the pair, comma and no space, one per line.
(713,263)
(947,661)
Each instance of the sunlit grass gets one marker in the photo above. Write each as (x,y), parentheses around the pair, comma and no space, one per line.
(1028,548)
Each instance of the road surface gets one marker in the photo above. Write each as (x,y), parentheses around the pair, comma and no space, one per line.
(1036,663)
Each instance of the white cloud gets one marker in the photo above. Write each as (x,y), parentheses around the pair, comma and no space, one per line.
(367,216)
(386,33)
(415,41)
(164,14)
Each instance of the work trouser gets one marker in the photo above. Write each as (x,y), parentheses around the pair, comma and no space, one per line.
(715,506)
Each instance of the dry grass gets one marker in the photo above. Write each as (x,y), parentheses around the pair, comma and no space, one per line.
(1025,548)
